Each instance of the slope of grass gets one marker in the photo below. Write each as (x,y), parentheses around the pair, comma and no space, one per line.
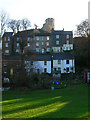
(71,102)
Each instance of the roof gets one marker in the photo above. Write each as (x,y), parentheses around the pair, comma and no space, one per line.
(8,34)
(32,32)
(62,56)
(61,32)
(40,57)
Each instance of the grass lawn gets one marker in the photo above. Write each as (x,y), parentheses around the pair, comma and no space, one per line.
(71,102)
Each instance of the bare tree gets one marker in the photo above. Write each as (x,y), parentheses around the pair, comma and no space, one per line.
(3,19)
(12,25)
(18,25)
(25,24)
(82,29)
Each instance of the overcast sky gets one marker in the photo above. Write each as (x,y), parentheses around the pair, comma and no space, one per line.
(67,13)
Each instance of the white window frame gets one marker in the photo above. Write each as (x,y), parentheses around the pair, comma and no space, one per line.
(47,43)
(57,42)
(57,36)
(42,50)
(6,51)
(28,39)
(47,37)
(28,44)
(37,37)
(42,37)
(37,49)
(17,44)
(17,50)
(42,43)
(8,38)
(6,44)
(37,43)
(48,49)
(67,36)
(67,41)
(17,38)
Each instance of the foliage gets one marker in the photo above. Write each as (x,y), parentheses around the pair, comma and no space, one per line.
(81,51)
(82,28)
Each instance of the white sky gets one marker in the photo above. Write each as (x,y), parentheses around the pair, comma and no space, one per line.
(67,13)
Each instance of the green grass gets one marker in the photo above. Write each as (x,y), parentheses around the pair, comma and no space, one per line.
(71,102)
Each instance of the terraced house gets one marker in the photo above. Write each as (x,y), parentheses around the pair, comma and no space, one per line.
(49,47)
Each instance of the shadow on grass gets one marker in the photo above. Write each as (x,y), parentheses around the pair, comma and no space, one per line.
(65,103)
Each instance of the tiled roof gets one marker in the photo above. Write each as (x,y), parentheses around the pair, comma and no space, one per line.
(32,32)
(61,55)
(8,34)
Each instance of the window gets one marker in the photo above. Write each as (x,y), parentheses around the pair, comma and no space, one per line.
(8,38)
(17,44)
(37,37)
(59,61)
(48,49)
(88,75)
(28,39)
(6,51)
(57,42)
(67,69)
(28,44)
(67,61)
(42,43)
(37,43)
(47,43)
(67,36)
(67,42)
(4,38)
(6,44)
(42,50)
(47,37)
(57,36)
(45,70)
(37,49)
(17,38)
(58,49)
(17,50)
(45,62)
(31,62)
(42,38)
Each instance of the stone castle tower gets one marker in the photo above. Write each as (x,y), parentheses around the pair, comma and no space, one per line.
(48,25)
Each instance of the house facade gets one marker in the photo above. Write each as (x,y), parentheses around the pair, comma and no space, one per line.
(62,40)
(48,47)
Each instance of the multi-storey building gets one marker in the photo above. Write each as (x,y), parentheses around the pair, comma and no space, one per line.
(38,40)
(7,43)
(62,40)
